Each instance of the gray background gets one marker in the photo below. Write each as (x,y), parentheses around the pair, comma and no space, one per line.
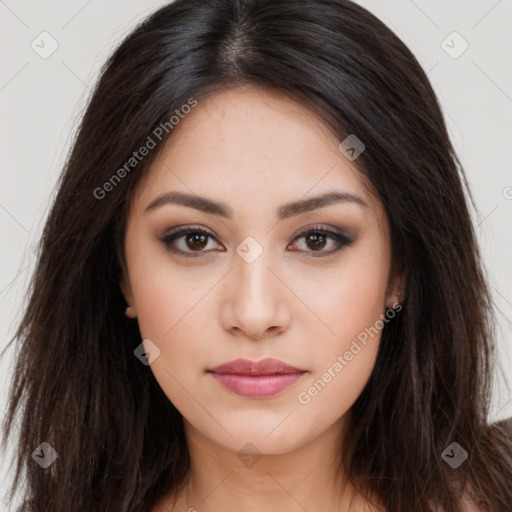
(42,100)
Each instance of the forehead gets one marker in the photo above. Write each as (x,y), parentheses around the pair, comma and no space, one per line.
(253,144)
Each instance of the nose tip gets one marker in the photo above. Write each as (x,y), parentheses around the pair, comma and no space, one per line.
(257,307)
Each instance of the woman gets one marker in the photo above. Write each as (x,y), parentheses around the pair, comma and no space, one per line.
(259,287)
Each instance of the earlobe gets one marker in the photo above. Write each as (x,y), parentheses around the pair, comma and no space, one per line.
(396,291)
(130,312)
(394,300)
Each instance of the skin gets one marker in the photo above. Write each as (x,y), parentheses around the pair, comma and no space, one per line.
(255,151)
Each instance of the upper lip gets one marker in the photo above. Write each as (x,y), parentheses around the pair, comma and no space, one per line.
(267,366)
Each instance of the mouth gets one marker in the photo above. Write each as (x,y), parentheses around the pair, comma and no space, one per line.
(261,379)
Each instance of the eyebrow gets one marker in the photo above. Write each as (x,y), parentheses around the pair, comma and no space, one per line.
(285,211)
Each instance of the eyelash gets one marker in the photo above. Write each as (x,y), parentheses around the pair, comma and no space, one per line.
(341,239)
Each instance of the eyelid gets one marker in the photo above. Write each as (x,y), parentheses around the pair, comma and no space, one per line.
(180,231)
(334,233)
(327,228)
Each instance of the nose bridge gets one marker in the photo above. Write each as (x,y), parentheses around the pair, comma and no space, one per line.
(253,276)
(256,303)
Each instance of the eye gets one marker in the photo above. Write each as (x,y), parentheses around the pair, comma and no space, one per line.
(316,238)
(195,240)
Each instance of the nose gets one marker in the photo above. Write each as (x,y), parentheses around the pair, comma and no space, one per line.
(256,300)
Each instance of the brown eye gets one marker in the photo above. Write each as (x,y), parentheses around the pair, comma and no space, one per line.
(194,241)
(316,239)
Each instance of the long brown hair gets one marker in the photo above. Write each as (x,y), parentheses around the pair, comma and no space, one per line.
(77,384)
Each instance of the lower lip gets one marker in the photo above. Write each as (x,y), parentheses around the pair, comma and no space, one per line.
(256,386)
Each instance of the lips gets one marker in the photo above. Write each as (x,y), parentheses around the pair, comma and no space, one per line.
(260,379)
(264,367)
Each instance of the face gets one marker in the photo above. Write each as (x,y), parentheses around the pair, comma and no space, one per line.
(250,278)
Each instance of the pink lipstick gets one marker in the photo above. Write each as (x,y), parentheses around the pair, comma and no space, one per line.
(261,379)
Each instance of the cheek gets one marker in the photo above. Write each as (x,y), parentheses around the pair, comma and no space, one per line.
(165,298)
(351,308)
(176,312)
(342,363)
(171,314)
(349,301)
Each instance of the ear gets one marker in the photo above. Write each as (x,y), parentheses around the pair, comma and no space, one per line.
(126,289)
(395,293)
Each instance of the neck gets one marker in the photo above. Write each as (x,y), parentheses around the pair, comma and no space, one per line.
(306,478)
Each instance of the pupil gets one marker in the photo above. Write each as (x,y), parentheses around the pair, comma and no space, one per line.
(194,240)
(318,241)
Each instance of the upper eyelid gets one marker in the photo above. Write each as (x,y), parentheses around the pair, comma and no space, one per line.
(181,230)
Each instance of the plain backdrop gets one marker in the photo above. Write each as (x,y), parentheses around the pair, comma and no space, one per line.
(42,97)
